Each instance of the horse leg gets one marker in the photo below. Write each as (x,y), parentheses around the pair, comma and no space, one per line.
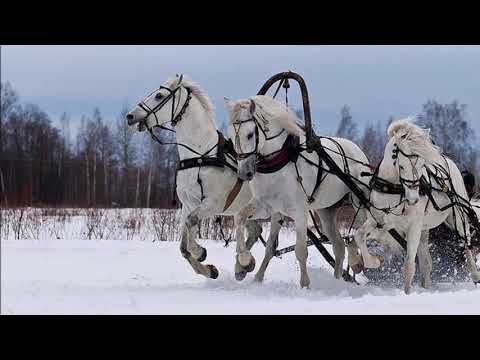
(464,232)
(369,261)
(208,271)
(472,266)
(192,222)
(254,230)
(425,260)
(327,217)
(245,262)
(272,244)
(355,260)
(301,249)
(413,240)
(474,273)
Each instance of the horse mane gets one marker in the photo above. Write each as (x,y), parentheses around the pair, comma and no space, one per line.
(199,94)
(267,110)
(417,139)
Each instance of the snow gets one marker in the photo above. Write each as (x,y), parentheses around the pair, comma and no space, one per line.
(50,276)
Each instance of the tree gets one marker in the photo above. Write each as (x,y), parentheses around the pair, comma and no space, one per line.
(125,149)
(373,142)
(347,128)
(107,151)
(451,131)
(65,127)
(8,102)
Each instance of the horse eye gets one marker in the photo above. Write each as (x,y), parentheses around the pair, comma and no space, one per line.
(158,96)
(249,136)
(400,167)
(404,136)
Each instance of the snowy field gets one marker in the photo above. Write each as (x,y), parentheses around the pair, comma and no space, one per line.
(50,276)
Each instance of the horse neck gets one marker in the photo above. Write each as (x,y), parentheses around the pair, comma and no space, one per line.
(390,175)
(276,143)
(196,130)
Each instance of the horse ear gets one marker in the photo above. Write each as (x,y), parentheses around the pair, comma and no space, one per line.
(252,107)
(228,104)
(180,79)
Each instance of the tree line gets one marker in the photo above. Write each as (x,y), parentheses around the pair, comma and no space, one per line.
(448,126)
(105,165)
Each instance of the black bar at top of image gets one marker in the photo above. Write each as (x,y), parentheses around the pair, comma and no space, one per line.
(191,23)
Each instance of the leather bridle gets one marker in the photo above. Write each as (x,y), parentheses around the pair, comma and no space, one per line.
(172,94)
(236,126)
(410,183)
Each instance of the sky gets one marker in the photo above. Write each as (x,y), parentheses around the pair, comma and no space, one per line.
(375,81)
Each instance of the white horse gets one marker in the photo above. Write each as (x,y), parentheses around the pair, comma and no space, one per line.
(201,190)
(412,161)
(260,126)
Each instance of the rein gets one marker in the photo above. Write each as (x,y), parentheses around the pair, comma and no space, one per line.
(410,183)
(238,124)
(224,147)
(172,95)
(441,176)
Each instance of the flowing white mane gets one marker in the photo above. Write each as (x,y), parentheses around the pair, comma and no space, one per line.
(198,92)
(417,139)
(267,109)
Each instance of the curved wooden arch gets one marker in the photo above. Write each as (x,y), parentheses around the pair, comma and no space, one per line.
(303,88)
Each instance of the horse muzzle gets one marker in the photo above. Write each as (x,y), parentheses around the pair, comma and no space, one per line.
(246,168)
(135,117)
(132,119)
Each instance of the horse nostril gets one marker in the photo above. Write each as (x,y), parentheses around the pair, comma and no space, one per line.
(249,174)
(130,117)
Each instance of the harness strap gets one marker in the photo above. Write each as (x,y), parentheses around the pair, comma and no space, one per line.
(203,161)
(279,159)
(318,180)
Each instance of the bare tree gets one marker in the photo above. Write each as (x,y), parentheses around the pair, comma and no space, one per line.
(126,149)
(451,131)
(347,128)
(370,144)
(65,126)
(8,101)
(151,161)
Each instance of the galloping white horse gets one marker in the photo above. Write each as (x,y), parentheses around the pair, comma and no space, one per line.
(260,126)
(202,190)
(434,192)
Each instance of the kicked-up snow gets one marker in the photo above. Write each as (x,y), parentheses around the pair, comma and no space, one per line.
(143,277)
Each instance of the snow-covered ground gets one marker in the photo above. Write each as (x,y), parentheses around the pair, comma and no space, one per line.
(50,276)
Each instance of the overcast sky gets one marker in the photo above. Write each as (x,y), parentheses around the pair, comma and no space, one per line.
(375,81)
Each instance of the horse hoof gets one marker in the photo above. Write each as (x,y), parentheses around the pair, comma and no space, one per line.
(203,256)
(251,266)
(357,268)
(239,276)
(213,271)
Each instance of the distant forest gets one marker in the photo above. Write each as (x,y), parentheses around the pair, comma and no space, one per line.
(104,165)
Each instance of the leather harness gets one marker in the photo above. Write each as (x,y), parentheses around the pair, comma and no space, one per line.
(224,146)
